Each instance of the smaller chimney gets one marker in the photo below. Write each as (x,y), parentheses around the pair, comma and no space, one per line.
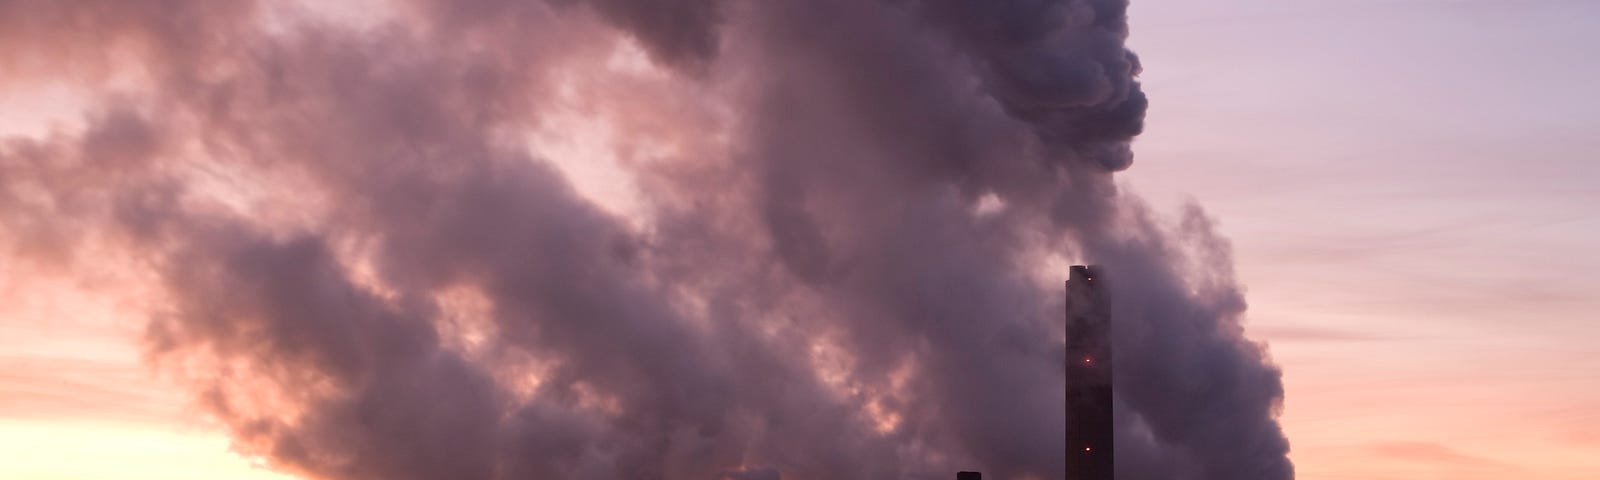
(969,476)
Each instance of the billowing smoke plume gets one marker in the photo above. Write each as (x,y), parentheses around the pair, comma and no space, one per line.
(375,261)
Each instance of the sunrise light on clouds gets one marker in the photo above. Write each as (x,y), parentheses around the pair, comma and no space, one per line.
(698,239)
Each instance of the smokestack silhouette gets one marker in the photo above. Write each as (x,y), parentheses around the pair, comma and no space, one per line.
(621,239)
(1090,441)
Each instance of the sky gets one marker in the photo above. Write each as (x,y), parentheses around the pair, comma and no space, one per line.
(1411,190)
(1407,186)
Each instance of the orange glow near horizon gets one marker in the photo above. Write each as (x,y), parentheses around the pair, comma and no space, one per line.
(63,450)
(1417,244)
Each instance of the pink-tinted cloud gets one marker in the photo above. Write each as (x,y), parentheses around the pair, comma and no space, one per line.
(368,268)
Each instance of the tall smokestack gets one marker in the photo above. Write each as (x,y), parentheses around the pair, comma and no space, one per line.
(1089,438)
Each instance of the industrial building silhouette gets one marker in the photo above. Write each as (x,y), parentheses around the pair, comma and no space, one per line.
(1090,454)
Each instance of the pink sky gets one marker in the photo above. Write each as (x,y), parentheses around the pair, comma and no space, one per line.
(1409,186)
(1412,190)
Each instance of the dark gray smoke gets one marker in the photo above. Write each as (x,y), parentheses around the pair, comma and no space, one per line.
(839,270)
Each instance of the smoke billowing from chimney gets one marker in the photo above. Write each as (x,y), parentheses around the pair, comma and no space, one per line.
(381,255)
